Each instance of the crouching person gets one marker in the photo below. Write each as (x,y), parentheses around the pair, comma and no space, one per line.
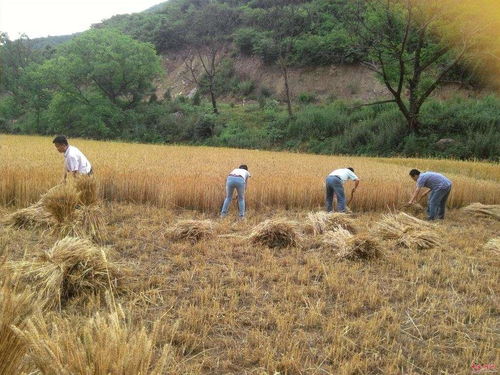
(75,162)
(439,188)
(237,180)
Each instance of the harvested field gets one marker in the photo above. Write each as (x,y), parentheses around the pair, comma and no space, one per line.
(288,290)
(291,308)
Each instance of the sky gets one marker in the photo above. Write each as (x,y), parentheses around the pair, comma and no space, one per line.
(39,18)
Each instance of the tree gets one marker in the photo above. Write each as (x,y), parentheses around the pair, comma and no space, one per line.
(405,52)
(95,79)
(15,56)
(210,29)
(121,68)
(286,20)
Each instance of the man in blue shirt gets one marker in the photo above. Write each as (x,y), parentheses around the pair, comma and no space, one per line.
(439,188)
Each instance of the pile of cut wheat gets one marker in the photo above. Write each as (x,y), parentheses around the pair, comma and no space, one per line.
(192,230)
(407,231)
(320,222)
(73,269)
(103,344)
(277,233)
(483,210)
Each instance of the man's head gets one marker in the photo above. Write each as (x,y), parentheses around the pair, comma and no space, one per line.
(61,143)
(243,166)
(351,169)
(414,174)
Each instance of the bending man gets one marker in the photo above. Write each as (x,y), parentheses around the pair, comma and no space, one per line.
(335,186)
(75,163)
(237,179)
(439,187)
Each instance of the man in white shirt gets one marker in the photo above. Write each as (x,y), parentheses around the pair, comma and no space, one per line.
(237,180)
(75,163)
(335,186)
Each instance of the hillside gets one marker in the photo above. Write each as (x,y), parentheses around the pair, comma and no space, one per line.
(351,82)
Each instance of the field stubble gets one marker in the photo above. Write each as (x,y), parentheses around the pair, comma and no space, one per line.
(224,304)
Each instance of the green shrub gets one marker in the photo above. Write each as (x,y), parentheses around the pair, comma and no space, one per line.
(245,88)
(306,98)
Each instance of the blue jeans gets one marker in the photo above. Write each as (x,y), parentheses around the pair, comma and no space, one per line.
(334,186)
(232,183)
(436,203)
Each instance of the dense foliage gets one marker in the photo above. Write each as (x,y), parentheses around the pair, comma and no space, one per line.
(100,84)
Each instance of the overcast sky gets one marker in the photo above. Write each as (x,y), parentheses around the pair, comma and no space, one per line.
(38,18)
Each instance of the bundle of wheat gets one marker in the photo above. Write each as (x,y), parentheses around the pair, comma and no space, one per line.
(493,245)
(353,247)
(413,209)
(483,210)
(61,202)
(72,269)
(15,308)
(419,239)
(320,222)
(336,239)
(192,230)
(87,189)
(101,345)
(361,247)
(408,231)
(87,222)
(34,216)
(276,233)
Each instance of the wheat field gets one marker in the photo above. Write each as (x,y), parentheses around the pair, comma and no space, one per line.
(146,279)
(193,177)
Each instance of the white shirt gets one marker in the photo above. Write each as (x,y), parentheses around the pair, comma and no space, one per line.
(75,161)
(344,174)
(241,172)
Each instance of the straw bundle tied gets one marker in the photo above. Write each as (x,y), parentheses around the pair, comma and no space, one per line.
(277,233)
(483,210)
(101,345)
(408,231)
(34,216)
(320,222)
(15,308)
(69,209)
(412,209)
(352,247)
(192,230)
(493,245)
(72,269)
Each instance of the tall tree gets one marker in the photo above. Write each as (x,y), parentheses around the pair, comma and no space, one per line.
(210,30)
(405,52)
(286,19)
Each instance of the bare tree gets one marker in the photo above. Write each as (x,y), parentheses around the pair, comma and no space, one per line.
(210,30)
